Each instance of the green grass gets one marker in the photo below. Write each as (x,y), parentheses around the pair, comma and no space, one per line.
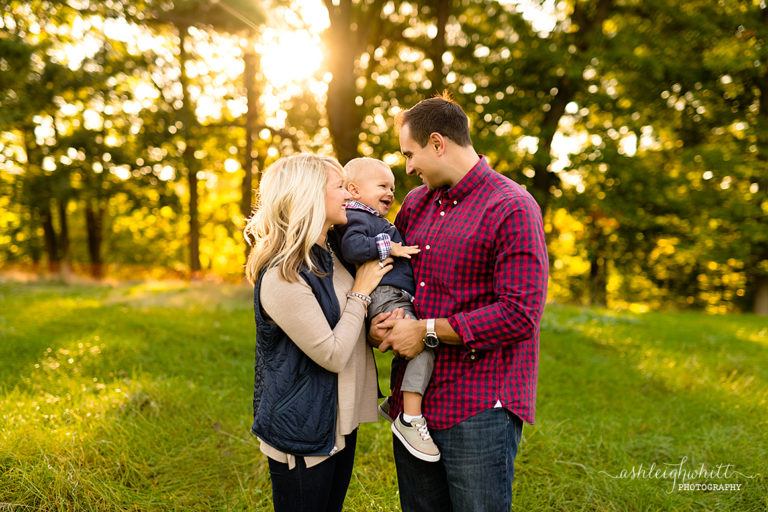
(138,397)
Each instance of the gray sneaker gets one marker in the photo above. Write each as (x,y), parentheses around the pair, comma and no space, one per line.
(416,438)
(384,410)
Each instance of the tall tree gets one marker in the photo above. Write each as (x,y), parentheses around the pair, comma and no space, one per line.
(233,16)
(27,95)
(364,42)
(351,23)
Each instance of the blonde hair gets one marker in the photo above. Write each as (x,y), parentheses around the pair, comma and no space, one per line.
(289,216)
(356,166)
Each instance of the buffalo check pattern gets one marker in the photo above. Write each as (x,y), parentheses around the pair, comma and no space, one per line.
(483,265)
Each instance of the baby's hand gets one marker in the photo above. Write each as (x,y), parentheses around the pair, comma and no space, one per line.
(403,251)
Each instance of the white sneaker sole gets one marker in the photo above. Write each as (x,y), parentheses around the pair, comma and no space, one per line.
(413,451)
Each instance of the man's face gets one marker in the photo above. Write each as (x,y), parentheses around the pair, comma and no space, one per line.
(375,188)
(421,161)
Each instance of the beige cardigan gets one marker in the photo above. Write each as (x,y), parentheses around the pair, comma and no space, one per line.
(343,350)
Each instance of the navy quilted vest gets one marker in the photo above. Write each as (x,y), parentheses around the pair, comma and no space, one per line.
(294,398)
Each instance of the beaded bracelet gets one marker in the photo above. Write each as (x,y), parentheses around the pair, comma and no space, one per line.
(366,299)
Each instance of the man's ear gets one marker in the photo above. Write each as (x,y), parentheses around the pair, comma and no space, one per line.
(437,143)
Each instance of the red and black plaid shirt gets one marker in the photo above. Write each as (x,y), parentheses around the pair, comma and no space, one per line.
(483,265)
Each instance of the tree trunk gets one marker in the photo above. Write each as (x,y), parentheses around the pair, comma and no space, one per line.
(38,198)
(437,49)
(194,220)
(35,251)
(94,220)
(251,60)
(589,25)
(760,306)
(187,115)
(598,267)
(344,117)
(543,180)
(66,255)
(597,281)
(51,241)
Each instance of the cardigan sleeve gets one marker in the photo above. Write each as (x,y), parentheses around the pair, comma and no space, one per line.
(294,308)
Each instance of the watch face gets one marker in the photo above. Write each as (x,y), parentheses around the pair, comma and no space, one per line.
(431,340)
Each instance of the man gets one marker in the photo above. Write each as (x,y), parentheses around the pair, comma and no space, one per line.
(481,280)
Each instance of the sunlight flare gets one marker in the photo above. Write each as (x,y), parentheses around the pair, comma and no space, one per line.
(290,56)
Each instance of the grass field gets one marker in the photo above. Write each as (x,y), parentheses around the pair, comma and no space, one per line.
(138,397)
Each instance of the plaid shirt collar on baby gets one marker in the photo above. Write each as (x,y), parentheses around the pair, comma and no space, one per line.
(357,205)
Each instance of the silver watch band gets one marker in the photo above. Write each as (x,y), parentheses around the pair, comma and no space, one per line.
(431,326)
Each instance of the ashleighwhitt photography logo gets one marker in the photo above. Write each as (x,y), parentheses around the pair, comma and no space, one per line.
(685,476)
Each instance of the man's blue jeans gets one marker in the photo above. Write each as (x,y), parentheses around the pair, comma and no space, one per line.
(475,470)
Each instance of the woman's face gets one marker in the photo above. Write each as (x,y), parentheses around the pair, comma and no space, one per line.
(336,196)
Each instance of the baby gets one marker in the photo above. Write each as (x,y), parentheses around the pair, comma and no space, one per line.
(368,235)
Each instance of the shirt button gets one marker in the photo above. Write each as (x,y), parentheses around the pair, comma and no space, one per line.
(428,247)
(442,213)
(455,202)
(422,284)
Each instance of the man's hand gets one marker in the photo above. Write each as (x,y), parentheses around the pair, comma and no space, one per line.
(403,251)
(405,336)
(376,332)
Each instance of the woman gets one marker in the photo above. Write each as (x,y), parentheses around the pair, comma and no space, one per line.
(315,374)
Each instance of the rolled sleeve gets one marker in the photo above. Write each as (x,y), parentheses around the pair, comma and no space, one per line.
(384,245)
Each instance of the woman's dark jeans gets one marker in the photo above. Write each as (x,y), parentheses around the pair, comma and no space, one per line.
(321,488)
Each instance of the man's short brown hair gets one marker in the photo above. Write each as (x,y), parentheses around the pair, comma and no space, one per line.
(439,114)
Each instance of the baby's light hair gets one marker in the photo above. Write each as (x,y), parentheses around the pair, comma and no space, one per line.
(357,165)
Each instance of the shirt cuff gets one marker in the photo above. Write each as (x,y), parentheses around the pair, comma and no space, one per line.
(383,245)
(459,324)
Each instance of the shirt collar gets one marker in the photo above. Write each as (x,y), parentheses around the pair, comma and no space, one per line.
(467,184)
(357,205)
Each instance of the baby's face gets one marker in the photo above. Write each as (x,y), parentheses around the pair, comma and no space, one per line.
(374,187)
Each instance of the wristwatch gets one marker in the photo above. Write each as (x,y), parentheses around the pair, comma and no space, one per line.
(430,339)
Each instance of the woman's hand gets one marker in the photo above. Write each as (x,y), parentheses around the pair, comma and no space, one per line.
(369,275)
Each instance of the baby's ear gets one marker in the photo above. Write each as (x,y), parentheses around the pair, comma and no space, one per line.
(353,189)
